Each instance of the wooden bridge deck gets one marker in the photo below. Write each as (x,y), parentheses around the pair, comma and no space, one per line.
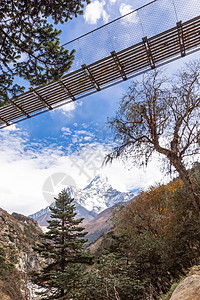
(181,40)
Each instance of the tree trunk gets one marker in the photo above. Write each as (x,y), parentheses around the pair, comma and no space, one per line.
(62,292)
(184,176)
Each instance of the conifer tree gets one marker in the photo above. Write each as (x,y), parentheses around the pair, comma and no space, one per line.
(63,250)
(30,44)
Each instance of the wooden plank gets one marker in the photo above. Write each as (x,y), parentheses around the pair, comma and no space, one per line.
(102,73)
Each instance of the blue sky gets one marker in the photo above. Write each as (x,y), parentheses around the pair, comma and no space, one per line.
(73,139)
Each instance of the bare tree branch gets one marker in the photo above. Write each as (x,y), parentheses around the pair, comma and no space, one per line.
(160,115)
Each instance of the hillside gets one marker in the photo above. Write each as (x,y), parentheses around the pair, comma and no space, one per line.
(151,243)
(154,240)
(99,225)
(18,236)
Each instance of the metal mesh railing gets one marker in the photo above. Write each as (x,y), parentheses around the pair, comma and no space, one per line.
(149,20)
(149,37)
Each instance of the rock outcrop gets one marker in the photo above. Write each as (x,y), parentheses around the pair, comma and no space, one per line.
(188,289)
(10,290)
(18,236)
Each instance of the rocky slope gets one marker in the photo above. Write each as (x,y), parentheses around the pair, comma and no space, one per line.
(99,225)
(18,236)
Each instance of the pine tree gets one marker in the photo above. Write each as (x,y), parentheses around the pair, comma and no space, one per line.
(63,251)
(30,44)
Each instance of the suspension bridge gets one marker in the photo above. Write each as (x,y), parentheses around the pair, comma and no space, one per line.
(144,39)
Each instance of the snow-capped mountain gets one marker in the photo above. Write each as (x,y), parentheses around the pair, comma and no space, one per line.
(97,196)
(44,214)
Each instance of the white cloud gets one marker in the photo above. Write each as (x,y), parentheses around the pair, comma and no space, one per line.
(95,11)
(84,125)
(23,172)
(81,132)
(124,179)
(75,139)
(131,18)
(112,1)
(11,128)
(87,138)
(125,9)
(66,131)
(26,166)
(84,132)
(66,109)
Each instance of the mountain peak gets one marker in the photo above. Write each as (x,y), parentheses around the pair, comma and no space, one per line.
(97,196)
(98,180)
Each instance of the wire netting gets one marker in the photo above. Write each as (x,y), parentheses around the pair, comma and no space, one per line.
(149,20)
(143,39)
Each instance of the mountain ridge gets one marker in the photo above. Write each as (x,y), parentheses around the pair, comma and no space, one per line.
(96,197)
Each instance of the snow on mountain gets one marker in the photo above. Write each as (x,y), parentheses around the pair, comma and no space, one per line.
(44,214)
(97,196)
